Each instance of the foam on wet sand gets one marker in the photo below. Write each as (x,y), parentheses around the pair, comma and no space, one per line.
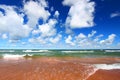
(52,68)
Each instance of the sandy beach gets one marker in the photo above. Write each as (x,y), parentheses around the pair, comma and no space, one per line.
(53,68)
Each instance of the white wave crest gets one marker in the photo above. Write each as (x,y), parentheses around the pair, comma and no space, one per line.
(103,67)
(107,66)
(112,50)
(36,51)
(77,51)
(12,57)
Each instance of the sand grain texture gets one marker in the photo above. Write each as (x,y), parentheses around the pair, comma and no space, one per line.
(54,69)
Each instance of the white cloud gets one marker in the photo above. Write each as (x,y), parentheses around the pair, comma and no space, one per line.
(46,40)
(68,30)
(1,14)
(4,36)
(115,15)
(35,32)
(70,2)
(56,14)
(14,40)
(90,40)
(80,14)
(47,32)
(92,34)
(23,43)
(69,41)
(56,39)
(48,29)
(82,40)
(97,38)
(38,40)
(85,43)
(52,9)
(36,11)
(109,40)
(43,3)
(12,23)
(80,36)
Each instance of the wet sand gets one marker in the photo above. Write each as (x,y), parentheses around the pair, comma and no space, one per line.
(52,68)
(106,75)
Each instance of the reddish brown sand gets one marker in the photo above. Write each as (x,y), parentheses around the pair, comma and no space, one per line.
(106,75)
(56,69)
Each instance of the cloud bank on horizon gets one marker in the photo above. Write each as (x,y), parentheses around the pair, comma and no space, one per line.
(71,24)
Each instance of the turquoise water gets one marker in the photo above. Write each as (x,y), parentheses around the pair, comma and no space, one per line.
(61,53)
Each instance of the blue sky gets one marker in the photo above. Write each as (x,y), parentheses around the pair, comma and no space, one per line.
(59,24)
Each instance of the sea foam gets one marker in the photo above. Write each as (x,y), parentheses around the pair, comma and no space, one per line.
(36,51)
(12,57)
(103,67)
(112,50)
(107,66)
(77,51)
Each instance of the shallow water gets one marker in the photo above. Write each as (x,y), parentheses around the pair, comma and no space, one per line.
(54,68)
(59,53)
(59,64)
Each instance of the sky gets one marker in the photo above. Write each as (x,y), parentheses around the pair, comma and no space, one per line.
(59,24)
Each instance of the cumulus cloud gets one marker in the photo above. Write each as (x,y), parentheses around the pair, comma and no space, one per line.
(92,34)
(85,43)
(52,9)
(97,38)
(37,40)
(4,36)
(80,36)
(12,23)
(69,41)
(109,40)
(56,39)
(48,29)
(80,14)
(90,40)
(70,2)
(56,14)
(82,40)
(47,33)
(36,32)
(115,15)
(36,11)
(46,40)
(68,30)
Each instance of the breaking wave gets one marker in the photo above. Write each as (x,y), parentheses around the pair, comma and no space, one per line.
(112,50)
(107,66)
(103,67)
(15,56)
(77,51)
(12,57)
(36,51)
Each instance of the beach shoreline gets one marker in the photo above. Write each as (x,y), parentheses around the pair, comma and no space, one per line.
(58,68)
